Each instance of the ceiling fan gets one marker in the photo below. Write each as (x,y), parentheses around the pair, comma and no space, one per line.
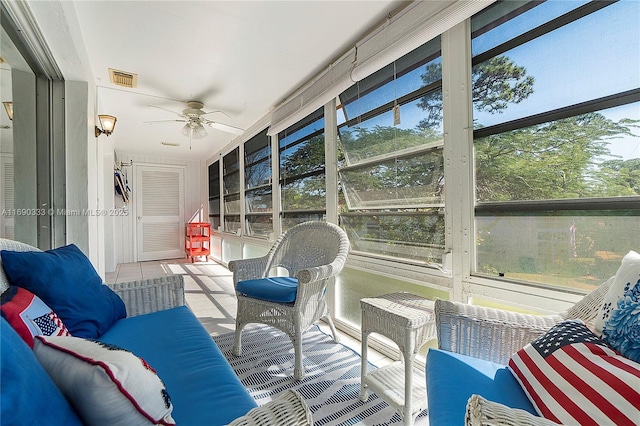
(195,121)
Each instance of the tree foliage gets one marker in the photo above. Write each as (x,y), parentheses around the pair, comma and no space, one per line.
(556,160)
(496,83)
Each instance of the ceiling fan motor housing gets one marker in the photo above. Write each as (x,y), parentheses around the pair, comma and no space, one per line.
(194,110)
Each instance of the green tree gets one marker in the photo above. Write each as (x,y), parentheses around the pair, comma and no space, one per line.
(303,174)
(496,83)
(619,177)
(555,160)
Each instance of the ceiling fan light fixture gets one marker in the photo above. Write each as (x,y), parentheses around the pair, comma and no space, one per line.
(195,121)
(199,131)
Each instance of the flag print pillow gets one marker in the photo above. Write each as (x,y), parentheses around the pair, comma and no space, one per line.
(572,377)
(30,316)
(106,384)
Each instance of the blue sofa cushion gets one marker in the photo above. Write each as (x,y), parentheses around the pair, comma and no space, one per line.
(452,379)
(204,388)
(272,289)
(28,396)
(67,282)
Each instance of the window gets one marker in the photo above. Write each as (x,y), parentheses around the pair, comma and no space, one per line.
(556,101)
(214,195)
(392,175)
(257,183)
(302,178)
(231,182)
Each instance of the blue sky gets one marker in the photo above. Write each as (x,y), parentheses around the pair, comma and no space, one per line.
(572,64)
(576,63)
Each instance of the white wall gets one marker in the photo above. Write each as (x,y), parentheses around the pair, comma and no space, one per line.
(79,193)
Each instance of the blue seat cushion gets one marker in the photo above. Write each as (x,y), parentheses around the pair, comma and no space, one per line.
(28,395)
(452,379)
(202,385)
(272,289)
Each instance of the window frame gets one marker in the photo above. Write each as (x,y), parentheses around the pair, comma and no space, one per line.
(263,142)
(546,207)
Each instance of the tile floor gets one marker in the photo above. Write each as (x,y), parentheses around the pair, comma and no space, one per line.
(209,294)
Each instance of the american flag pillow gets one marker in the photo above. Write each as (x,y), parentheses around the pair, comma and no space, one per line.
(572,377)
(30,316)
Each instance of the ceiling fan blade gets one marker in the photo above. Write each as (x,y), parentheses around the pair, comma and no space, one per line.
(225,127)
(222,112)
(166,121)
(159,107)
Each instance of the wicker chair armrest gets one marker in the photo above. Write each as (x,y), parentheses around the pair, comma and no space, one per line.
(150,295)
(482,412)
(320,273)
(248,269)
(289,409)
(486,333)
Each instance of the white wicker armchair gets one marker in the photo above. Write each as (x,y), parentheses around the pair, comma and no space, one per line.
(155,294)
(312,252)
(495,335)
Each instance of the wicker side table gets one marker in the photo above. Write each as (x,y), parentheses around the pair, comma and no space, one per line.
(408,320)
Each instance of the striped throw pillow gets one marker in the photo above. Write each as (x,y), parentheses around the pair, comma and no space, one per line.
(573,377)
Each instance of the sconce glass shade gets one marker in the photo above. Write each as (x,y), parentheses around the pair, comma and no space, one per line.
(8,106)
(107,122)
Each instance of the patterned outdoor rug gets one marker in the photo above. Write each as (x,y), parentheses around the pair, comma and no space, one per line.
(331,384)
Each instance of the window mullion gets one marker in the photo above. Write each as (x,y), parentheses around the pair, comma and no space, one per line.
(458,154)
(331,160)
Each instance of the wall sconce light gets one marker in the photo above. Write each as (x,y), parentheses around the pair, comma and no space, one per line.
(9,107)
(108,123)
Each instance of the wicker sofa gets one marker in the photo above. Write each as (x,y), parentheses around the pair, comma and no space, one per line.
(469,368)
(161,330)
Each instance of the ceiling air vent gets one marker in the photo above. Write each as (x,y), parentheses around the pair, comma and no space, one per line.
(123,78)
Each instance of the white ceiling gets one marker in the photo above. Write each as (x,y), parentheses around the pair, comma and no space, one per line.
(241,57)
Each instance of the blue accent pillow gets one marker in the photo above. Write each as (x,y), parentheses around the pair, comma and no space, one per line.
(28,396)
(272,289)
(618,320)
(67,282)
(622,328)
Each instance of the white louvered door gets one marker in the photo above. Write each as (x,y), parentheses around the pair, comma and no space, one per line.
(7,192)
(159,195)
